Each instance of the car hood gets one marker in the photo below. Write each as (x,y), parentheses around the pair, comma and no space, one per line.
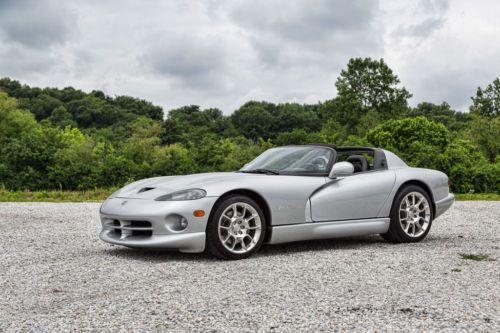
(152,188)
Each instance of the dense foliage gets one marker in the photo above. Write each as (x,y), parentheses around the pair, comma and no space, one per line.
(68,139)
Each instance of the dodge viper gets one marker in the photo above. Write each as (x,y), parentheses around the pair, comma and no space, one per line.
(290,193)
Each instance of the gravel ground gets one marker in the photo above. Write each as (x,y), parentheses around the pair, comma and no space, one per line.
(56,275)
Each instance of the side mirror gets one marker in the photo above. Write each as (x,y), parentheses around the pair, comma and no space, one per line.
(341,169)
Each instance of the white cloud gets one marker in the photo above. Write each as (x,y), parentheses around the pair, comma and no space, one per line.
(223,53)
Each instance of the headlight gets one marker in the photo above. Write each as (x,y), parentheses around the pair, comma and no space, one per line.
(192,194)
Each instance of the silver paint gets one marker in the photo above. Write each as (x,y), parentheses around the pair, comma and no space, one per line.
(301,207)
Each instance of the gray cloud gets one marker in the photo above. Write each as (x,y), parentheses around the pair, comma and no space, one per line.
(19,61)
(223,53)
(308,30)
(192,60)
(305,21)
(37,24)
(428,16)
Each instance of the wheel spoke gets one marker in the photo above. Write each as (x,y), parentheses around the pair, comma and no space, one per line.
(407,202)
(244,211)
(419,225)
(234,243)
(419,202)
(255,227)
(243,245)
(423,209)
(252,217)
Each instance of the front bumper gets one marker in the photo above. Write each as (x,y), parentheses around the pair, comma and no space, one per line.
(144,223)
(444,204)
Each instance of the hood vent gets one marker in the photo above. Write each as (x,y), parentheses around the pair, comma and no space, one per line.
(145,189)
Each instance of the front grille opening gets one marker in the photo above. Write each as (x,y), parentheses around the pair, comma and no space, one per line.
(130,228)
(142,233)
(140,224)
(117,233)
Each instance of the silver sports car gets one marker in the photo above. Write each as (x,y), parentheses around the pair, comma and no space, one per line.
(286,194)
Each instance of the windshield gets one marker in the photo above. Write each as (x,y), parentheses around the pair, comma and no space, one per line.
(292,160)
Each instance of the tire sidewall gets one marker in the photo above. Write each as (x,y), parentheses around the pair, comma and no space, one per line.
(396,225)
(213,239)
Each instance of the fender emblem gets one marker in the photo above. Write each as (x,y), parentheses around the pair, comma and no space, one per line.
(124,202)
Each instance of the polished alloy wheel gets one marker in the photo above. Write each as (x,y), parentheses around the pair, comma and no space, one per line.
(414,214)
(239,227)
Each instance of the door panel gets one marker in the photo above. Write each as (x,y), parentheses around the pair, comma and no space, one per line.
(359,196)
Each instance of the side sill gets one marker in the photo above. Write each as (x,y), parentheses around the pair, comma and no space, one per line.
(333,229)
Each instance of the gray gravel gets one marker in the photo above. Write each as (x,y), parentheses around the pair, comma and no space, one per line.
(56,276)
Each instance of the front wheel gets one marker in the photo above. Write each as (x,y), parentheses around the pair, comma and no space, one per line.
(236,229)
(411,216)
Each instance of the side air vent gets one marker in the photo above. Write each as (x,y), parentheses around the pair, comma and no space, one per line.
(145,189)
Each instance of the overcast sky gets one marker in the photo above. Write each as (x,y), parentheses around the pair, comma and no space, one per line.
(224,53)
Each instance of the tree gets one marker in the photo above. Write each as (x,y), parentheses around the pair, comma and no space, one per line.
(139,107)
(13,121)
(291,116)
(254,119)
(411,138)
(485,132)
(61,117)
(442,113)
(297,137)
(26,158)
(42,106)
(365,85)
(468,169)
(486,103)
(172,160)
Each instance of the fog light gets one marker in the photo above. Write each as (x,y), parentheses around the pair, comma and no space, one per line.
(184,223)
(176,222)
(199,213)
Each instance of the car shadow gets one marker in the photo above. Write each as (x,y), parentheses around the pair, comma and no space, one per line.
(348,243)
(155,255)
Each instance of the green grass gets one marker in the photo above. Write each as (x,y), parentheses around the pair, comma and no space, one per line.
(55,196)
(101,194)
(477,197)
(476,257)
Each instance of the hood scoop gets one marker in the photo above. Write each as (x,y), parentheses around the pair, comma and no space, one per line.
(145,189)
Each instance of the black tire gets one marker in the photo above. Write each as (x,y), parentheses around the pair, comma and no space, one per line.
(214,245)
(396,234)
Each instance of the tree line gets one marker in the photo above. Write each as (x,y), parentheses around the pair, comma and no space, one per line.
(68,139)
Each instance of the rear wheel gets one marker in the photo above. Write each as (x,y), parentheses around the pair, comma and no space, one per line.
(236,230)
(411,216)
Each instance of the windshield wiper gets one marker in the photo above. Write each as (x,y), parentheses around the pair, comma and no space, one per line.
(266,171)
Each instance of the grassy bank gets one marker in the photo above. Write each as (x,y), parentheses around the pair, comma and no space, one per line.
(101,194)
(54,196)
(477,197)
